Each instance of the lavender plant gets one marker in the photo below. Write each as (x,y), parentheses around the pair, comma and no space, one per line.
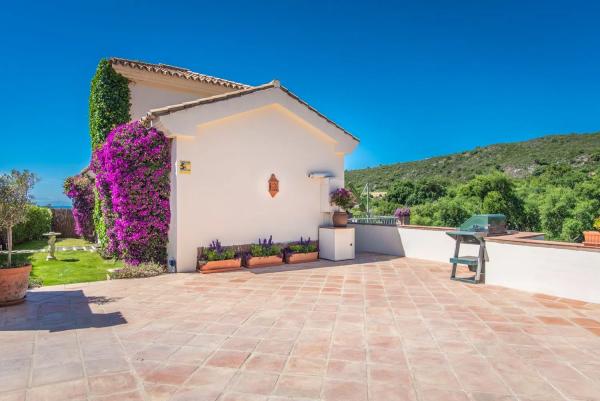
(265,248)
(303,246)
(216,251)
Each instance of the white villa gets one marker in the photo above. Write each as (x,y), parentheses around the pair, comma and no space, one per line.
(231,144)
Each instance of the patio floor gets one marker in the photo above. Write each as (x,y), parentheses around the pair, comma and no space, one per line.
(379,328)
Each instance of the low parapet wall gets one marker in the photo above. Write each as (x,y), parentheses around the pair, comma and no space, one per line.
(522,261)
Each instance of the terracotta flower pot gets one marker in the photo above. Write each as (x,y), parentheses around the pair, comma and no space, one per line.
(13,285)
(404,220)
(340,219)
(216,266)
(301,257)
(263,261)
(591,238)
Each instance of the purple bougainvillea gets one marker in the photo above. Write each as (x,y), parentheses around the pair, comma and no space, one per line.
(80,189)
(402,212)
(132,178)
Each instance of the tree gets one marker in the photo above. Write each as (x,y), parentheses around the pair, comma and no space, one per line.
(14,197)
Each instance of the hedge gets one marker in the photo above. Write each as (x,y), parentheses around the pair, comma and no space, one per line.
(39,221)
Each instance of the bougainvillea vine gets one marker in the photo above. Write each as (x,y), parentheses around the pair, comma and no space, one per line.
(132,178)
(80,189)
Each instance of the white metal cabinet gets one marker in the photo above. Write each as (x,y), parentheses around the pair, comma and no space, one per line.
(336,243)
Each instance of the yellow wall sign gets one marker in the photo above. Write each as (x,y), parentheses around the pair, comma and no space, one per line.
(184,167)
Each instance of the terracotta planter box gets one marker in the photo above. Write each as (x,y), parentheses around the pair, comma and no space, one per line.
(263,261)
(591,238)
(301,257)
(217,266)
(13,285)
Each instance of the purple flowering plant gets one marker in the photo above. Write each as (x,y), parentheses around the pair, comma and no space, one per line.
(133,182)
(265,248)
(80,189)
(216,251)
(343,198)
(302,246)
(402,212)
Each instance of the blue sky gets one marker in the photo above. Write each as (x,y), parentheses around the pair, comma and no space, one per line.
(410,79)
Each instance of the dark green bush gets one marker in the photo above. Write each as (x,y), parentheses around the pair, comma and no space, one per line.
(109,102)
(39,221)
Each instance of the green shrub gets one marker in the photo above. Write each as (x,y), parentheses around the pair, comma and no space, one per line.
(303,248)
(260,250)
(142,270)
(225,254)
(38,222)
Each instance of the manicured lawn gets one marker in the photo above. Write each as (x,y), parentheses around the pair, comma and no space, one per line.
(40,244)
(69,266)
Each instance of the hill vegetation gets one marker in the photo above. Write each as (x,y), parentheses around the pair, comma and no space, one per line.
(517,160)
(550,184)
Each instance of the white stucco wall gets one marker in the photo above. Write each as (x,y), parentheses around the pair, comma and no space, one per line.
(226,196)
(566,273)
(378,239)
(562,272)
(145,97)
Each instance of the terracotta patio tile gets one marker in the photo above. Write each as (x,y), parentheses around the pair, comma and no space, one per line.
(391,391)
(190,355)
(240,343)
(299,386)
(212,378)
(102,366)
(70,390)
(159,392)
(348,353)
(346,370)
(13,396)
(230,396)
(268,346)
(586,322)
(112,383)
(388,373)
(58,373)
(434,394)
(171,373)
(227,359)
(337,390)
(265,362)
(254,383)
(306,366)
(553,320)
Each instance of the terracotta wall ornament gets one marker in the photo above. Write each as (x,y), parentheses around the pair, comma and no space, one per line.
(273,185)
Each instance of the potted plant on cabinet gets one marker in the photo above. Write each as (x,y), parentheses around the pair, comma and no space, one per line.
(592,238)
(263,254)
(402,215)
(345,200)
(303,251)
(14,197)
(217,258)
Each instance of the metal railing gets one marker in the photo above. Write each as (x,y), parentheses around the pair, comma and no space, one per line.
(377,220)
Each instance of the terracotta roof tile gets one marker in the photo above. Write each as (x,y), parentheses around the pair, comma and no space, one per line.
(177,72)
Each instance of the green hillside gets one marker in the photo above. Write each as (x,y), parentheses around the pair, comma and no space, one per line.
(518,160)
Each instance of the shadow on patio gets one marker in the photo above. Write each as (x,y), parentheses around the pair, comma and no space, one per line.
(58,311)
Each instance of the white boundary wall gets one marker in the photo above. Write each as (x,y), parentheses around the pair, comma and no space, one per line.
(561,272)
